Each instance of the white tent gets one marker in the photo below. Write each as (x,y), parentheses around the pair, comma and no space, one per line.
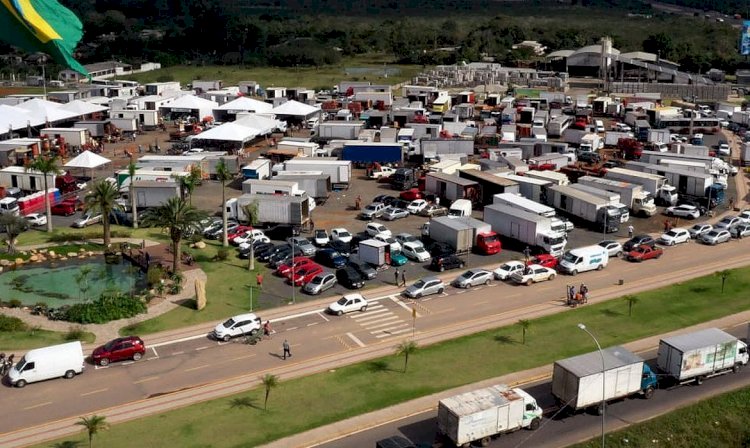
(263,124)
(295,109)
(228,132)
(47,111)
(191,104)
(87,159)
(82,107)
(13,118)
(245,104)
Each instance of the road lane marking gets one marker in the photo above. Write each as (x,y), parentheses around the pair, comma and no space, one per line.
(46,403)
(314,323)
(355,339)
(291,328)
(462,292)
(324,318)
(368,317)
(177,341)
(201,348)
(388,330)
(394,331)
(343,342)
(482,302)
(151,378)
(382,323)
(242,357)
(398,302)
(178,353)
(197,368)
(94,392)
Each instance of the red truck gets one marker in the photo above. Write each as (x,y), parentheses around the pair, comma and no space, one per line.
(630,148)
(644,252)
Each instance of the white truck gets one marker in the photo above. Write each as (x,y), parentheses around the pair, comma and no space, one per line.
(339,170)
(585,206)
(57,361)
(632,195)
(659,136)
(524,226)
(374,252)
(688,183)
(612,198)
(573,136)
(552,176)
(612,137)
(745,154)
(583,382)
(515,201)
(463,234)
(529,187)
(272,209)
(700,355)
(259,168)
(271,186)
(657,185)
(591,142)
(480,415)
(149,193)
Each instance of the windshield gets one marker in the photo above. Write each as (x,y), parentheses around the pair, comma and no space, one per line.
(344,234)
(342,301)
(491,239)
(554,240)
(455,212)
(570,258)
(21,364)
(467,274)
(419,284)
(507,267)
(713,233)
(370,207)
(317,280)
(228,323)
(419,249)
(671,233)
(320,234)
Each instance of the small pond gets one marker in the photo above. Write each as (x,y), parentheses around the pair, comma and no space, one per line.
(68,282)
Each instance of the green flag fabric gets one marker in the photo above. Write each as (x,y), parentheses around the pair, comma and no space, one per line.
(42,25)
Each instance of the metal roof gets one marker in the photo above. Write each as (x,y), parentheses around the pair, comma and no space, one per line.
(475,401)
(699,339)
(451,179)
(484,176)
(591,363)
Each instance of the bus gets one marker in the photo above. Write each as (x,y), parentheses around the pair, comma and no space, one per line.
(558,125)
(681,125)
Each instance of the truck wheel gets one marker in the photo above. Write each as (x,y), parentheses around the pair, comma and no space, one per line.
(226,338)
(69,374)
(648,393)
(485,441)
(736,368)
(699,380)
(574,272)
(20,383)
(534,425)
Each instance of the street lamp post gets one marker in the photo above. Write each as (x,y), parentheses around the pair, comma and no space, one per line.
(293,287)
(604,369)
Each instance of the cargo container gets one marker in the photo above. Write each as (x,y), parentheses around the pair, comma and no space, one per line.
(688,184)
(271,186)
(745,154)
(552,176)
(27,180)
(489,184)
(272,209)
(348,130)
(587,207)
(632,195)
(612,137)
(526,227)
(655,184)
(529,187)
(257,169)
(123,176)
(451,187)
(149,193)
(464,234)
(584,381)
(548,161)
(700,355)
(612,198)
(339,170)
(317,186)
(366,152)
(375,252)
(659,136)
(71,136)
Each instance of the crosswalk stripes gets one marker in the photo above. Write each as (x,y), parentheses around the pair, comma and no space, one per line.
(380,321)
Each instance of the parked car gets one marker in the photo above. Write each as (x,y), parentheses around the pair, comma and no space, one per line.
(341,234)
(350,278)
(741,231)
(398,259)
(683,211)
(424,287)
(255,240)
(699,230)
(411,194)
(347,304)
(304,244)
(373,210)
(724,149)
(445,262)
(367,271)
(384,198)
(415,251)
(716,236)
(259,247)
(614,248)
(473,277)
(285,270)
(239,325)
(404,238)
(248,236)
(728,222)
(375,228)
(303,274)
(392,214)
(341,247)
(433,210)
(36,220)
(87,219)
(385,238)
(238,231)
(533,274)
(438,249)
(330,258)
(675,236)
(546,260)
(638,240)
(320,237)
(320,283)
(120,349)
(217,231)
(416,206)
(399,203)
(644,252)
(507,269)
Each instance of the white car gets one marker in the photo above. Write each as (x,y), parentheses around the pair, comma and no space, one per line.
(507,269)
(614,248)
(237,326)
(699,230)
(87,219)
(473,277)
(257,239)
(249,236)
(347,304)
(533,273)
(415,251)
(36,219)
(683,211)
(745,216)
(375,228)
(416,206)
(393,213)
(387,238)
(320,237)
(724,149)
(716,236)
(675,236)
(341,234)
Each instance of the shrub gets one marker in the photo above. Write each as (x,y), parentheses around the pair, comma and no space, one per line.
(154,275)
(196,238)
(15,303)
(222,254)
(74,334)
(10,324)
(42,305)
(108,307)
(175,288)
(83,236)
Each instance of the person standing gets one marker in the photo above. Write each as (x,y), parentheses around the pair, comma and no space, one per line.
(259,280)
(287,352)
(403,277)
(527,254)
(630,231)
(395,277)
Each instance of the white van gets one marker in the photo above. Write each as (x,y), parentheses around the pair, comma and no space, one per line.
(584,259)
(460,208)
(57,361)
(599,125)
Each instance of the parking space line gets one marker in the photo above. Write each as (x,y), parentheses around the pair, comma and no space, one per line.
(369,316)
(46,403)
(197,368)
(482,302)
(94,392)
(391,333)
(291,328)
(177,353)
(189,338)
(400,303)
(150,378)
(243,357)
(343,342)
(314,323)
(154,349)
(201,348)
(387,330)
(463,291)
(355,339)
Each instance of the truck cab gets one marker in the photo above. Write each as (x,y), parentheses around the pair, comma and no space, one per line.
(609,219)
(488,243)
(9,205)
(403,179)
(644,204)
(667,195)
(460,208)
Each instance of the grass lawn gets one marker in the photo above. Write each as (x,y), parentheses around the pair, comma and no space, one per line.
(375,384)
(721,421)
(33,338)
(311,77)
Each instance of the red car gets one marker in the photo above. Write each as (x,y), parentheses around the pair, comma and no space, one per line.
(286,269)
(546,260)
(130,347)
(411,194)
(239,231)
(65,208)
(303,274)
(644,252)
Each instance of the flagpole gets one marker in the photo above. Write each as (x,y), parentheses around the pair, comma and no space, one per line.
(44,79)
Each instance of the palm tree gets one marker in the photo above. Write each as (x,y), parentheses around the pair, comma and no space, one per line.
(632,300)
(269,382)
(524,324)
(103,199)
(13,226)
(67,444)
(131,173)
(189,182)
(724,275)
(46,166)
(179,218)
(93,425)
(223,174)
(406,348)
(251,213)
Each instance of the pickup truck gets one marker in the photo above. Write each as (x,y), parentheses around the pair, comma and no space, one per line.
(644,252)
(383,171)
(533,274)
(373,210)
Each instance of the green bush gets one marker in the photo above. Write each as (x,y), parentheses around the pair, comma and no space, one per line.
(108,307)
(154,275)
(83,236)
(10,324)
(195,238)
(74,334)
(222,254)
(15,303)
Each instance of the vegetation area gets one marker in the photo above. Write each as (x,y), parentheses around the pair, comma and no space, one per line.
(17,335)
(722,421)
(372,385)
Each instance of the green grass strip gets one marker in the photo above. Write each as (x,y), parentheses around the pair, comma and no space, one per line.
(301,404)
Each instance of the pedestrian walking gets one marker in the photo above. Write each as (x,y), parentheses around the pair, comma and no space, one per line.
(287,352)
(403,277)
(259,280)
(395,277)
(630,231)
(527,254)
(572,293)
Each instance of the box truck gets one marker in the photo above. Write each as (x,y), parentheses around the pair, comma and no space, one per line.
(700,355)
(317,186)
(57,361)
(149,193)
(375,252)
(591,142)
(612,137)
(584,381)
(612,198)
(585,206)
(528,228)
(366,152)
(515,201)
(465,234)
(663,193)
(632,195)
(339,170)
(552,176)
(259,168)
(529,187)
(688,184)
(745,154)
(480,415)
(272,209)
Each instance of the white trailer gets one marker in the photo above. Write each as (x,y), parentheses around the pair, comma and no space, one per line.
(272,209)
(612,198)
(691,183)
(450,187)
(591,142)
(71,136)
(26,180)
(529,187)
(556,160)
(170,163)
(123,176)
(339,170)
(583,382)
(306,149)
(659,136)
(317,186)
(653,183)
(149,119)
(536,207)
(700,355)
(573,136)
(272,186)
(479,415)
(552,176)
(586,206)
(149,193)
(527,227)
(460,233)
(612,137)
(684,164)
(445,166)
(259,168)
(632,195)
(691,150)
(373,252)
(347,130)
(125,124)
(745,154)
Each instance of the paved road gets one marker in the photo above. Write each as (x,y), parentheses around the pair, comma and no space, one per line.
(557,430)
(191,365)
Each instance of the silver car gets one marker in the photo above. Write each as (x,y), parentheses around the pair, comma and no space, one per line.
(716,236)
(392,214)
(728,222)
(699,230)
(425,287)
(473,277)
(320,283)
(304,245)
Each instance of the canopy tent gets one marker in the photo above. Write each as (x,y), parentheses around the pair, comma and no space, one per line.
(245,104)
(227,132)
(88,160)
(295,109)
(47,110)
(263,124)
(13,118)
(82,107)
(192,105)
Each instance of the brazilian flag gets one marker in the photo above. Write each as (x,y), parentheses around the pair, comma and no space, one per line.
(42,25)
